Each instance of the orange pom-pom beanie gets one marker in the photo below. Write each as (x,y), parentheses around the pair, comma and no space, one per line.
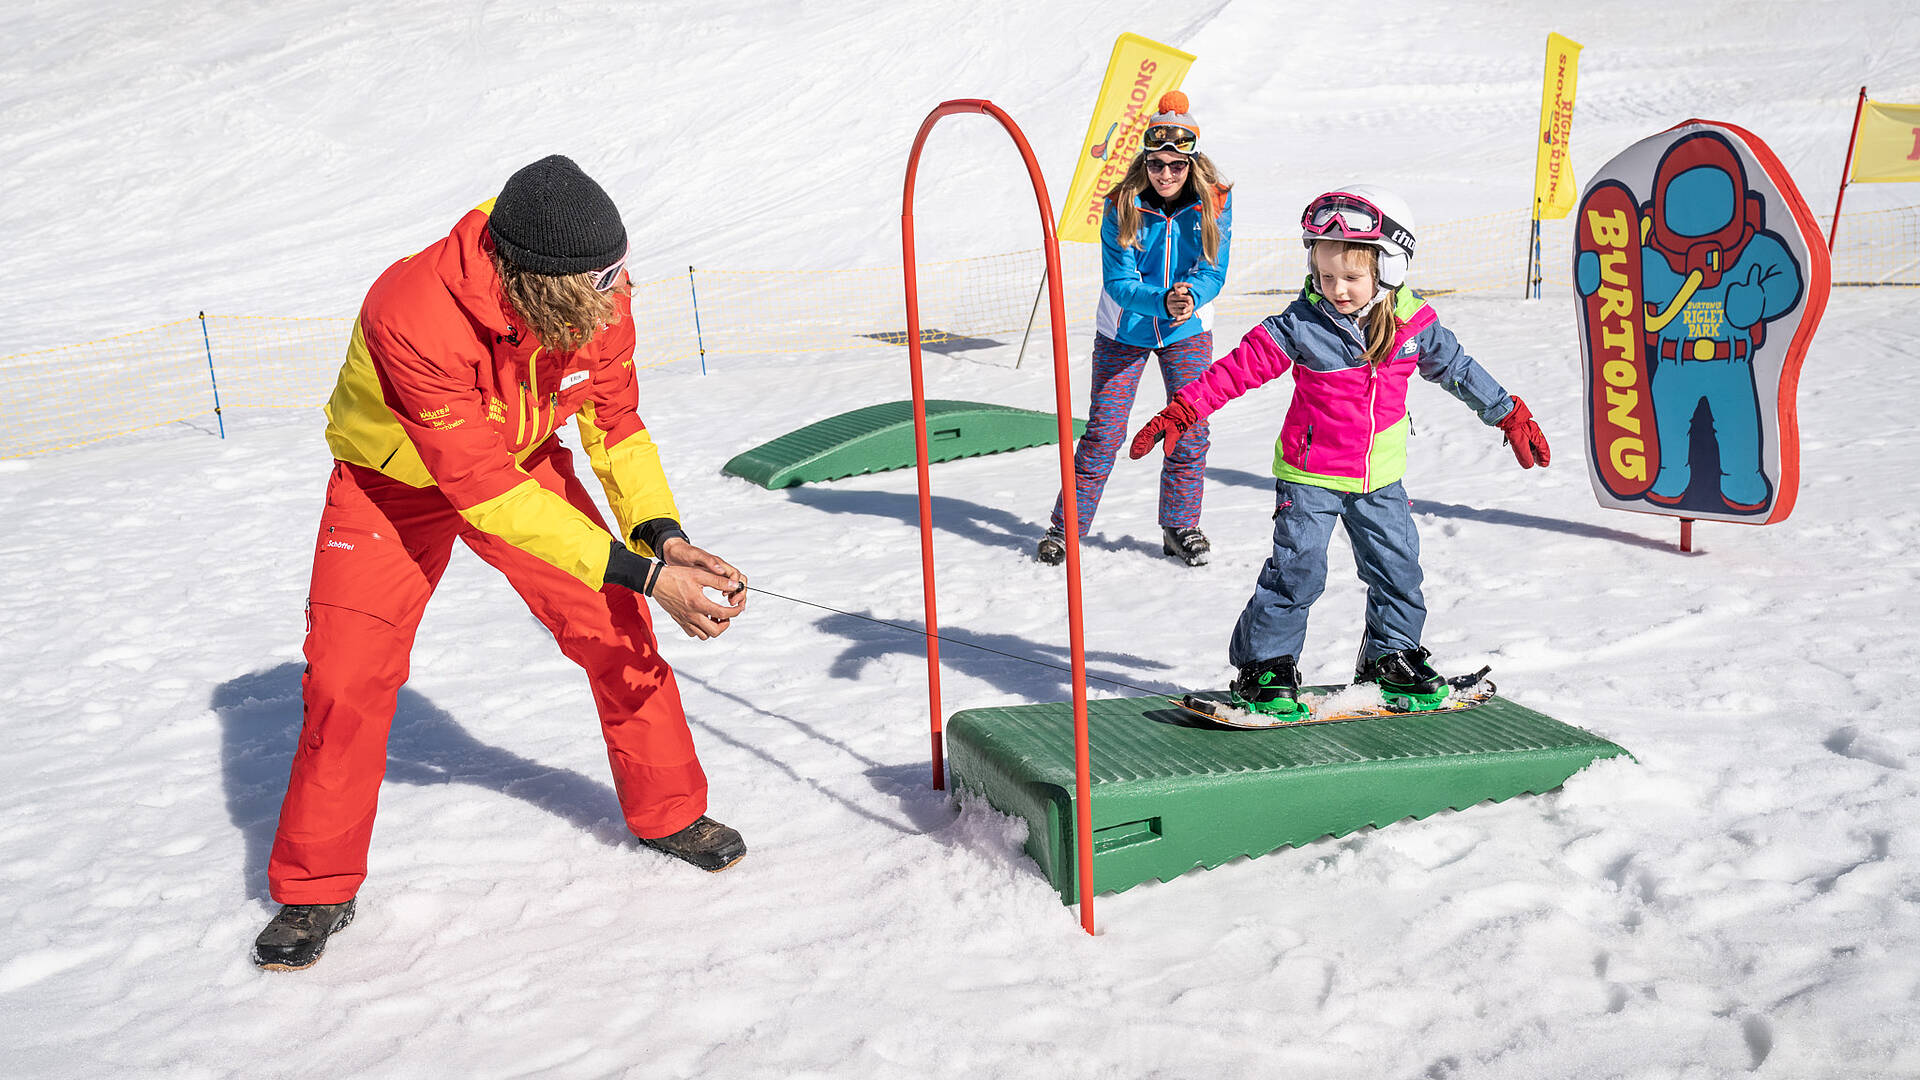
(1173,110)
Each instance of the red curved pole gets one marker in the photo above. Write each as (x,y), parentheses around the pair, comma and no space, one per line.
(1063,413)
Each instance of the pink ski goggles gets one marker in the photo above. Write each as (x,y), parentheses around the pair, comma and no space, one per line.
(1340,215)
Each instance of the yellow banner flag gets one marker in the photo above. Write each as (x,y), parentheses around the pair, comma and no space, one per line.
(1139,72)
(1888,149)
(1554,187)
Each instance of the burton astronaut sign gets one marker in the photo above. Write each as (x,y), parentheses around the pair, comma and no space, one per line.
(1700,277)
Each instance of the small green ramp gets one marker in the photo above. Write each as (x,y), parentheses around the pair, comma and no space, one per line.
(880,437)
(1169,795)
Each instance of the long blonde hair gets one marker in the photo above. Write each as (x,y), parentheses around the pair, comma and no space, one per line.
(563,310)
(1203,182)
(1382,323)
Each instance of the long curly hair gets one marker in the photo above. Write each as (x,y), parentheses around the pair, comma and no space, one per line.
(1382,324)
(1203,182)
(563,310)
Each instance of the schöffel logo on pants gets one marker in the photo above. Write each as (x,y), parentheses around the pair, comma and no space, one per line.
(342,544)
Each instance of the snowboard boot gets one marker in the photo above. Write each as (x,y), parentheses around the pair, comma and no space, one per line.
(1405,678)
(1188,545)
(706,844)
(297,936)
(1270,688)
(1053,548)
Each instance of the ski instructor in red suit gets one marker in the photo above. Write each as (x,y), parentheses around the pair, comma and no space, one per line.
(465,360)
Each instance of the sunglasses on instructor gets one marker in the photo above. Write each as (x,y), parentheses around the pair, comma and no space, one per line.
(1156,165)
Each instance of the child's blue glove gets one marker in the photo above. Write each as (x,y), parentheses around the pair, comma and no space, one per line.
(1171,422)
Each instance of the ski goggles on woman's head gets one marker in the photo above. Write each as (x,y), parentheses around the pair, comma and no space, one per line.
(604,279)
(1350,217)
(1172,137)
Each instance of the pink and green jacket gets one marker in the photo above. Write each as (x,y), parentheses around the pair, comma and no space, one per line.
(1347,426)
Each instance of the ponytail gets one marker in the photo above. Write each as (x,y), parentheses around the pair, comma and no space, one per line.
(1381,328)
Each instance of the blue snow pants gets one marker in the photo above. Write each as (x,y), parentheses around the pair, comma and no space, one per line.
(1386,551)
(1116,378)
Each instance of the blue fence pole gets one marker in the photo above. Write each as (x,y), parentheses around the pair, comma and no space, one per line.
(698,337)
(210,376)
(1538,269)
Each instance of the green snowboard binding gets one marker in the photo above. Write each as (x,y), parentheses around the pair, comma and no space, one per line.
(1270,688)
(1405,679)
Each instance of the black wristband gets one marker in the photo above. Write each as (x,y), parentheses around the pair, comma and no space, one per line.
(631,571)
(654,534)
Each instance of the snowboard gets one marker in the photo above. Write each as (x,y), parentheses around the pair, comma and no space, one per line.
(1463,692)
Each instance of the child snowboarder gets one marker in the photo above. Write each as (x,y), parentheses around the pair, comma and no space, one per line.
(1353,340)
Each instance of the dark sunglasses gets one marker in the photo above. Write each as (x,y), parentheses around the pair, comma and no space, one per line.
(1156,165)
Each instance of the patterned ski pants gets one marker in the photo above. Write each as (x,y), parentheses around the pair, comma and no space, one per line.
(1116,378)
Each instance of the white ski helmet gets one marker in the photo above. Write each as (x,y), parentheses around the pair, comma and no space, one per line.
(1364,214)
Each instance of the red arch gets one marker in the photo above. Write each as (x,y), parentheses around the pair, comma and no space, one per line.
(1063,397)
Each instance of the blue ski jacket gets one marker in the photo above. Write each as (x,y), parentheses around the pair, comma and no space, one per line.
(1135,280)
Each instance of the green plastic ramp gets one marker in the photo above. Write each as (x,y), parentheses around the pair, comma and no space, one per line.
(1169,795)
(880,437)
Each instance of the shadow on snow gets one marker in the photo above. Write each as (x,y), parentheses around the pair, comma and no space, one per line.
(260,725)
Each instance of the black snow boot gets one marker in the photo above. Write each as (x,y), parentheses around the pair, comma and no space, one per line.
(1270,688)
(297,936)
(1405,675)
(1188,545)
(706,844)
(1052,549)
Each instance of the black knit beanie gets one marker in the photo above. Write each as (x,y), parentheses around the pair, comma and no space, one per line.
(551,218)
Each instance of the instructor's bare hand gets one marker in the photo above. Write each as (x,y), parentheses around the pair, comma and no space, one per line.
(678,552)
(682,593)
(681,590)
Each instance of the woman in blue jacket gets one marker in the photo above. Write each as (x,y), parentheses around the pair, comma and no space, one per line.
(1164,240)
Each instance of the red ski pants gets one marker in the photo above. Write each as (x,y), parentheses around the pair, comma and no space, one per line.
(381,550)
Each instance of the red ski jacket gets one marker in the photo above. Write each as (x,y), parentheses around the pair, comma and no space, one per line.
(442,388)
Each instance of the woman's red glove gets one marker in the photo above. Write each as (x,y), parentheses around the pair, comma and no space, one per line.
(1171,422)
(1528,442)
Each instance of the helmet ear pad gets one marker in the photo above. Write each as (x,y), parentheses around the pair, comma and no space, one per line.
(1393,268)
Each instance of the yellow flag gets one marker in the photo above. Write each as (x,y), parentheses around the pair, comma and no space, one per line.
(1554,188)
(1139,72)
(1888,147)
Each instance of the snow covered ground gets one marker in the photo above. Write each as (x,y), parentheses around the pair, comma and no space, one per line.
(1741,900)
